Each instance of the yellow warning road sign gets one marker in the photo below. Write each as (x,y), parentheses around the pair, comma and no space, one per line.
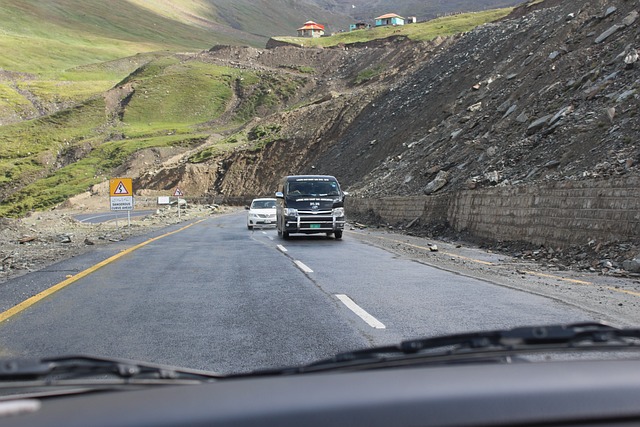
(120,187)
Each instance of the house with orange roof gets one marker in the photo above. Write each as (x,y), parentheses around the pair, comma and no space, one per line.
(311,29)
(389,19)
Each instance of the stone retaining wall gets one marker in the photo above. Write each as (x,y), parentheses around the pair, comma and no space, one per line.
(559,214)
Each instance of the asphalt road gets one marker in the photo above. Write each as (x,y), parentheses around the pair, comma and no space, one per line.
(213,295)
(97,217)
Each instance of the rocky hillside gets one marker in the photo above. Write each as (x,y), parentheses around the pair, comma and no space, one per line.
(549,94)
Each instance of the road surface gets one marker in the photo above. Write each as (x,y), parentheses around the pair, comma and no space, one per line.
(97,217)
(212,295)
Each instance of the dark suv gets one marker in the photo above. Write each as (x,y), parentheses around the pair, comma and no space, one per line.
(310,204)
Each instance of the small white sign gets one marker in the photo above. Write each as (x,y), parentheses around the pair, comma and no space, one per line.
(122,203)
(164,200)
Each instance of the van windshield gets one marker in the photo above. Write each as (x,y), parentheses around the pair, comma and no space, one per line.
(313,188)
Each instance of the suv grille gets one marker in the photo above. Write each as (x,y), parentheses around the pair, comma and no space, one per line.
(315,220)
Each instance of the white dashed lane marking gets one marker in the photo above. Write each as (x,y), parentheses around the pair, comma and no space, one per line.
(303,267)
(360,312)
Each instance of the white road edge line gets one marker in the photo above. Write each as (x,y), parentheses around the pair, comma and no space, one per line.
(303,267)
(282,248)
(360,312)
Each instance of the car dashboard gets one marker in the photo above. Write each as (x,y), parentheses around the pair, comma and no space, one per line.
(586,393)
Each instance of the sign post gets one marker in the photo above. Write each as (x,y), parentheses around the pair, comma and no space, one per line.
(178,193)
(121,196)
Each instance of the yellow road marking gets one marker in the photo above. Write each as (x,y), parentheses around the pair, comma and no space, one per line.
(55,288)
(551,276)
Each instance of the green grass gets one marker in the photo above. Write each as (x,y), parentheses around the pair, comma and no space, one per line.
(263,134)
(221,147)
(55,131)
(255,139)
(31,149)
(79,176)
(423,31)
(179,94)
(266,92)
(74,86)
(300,68)
(175,96)
(41,36)
(61,91)
(12,101)
(170,99)
(53,40)
(368,74)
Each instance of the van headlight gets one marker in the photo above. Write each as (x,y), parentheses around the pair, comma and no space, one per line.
(338,212)
(290,212)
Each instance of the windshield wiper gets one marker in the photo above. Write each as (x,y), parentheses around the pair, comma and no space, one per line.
(496,346)
(57,369)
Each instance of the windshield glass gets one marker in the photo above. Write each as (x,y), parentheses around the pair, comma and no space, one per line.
(263,204)
(190,193)
(313,188)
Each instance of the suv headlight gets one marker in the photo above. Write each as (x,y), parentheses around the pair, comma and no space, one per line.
(338,212)
(290,212)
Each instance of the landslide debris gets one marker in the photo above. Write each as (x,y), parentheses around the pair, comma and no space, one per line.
(550,95)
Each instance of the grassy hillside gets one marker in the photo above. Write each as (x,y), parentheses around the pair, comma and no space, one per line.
(40,36)
(53,45)
(422,31)
(44,35)
(56,54)
(171,102)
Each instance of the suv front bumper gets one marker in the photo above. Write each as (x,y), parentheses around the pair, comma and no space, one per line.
(313,222)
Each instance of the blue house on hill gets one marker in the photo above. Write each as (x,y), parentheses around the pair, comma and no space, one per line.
(389,19)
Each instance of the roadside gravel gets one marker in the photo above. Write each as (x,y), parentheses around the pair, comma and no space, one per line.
(611,299)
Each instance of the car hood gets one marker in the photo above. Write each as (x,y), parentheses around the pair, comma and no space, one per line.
(263,211)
